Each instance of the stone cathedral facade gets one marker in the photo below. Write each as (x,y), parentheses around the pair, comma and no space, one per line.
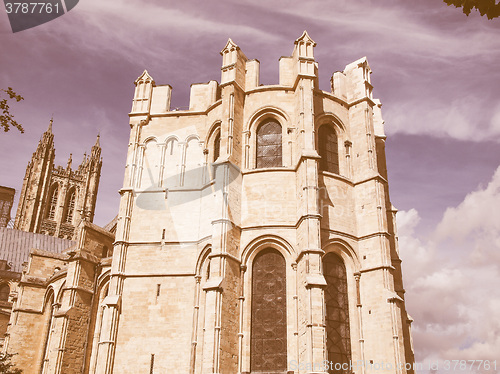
(255,234)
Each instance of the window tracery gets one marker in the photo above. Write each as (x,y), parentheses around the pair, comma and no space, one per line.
(268,351)
(51,211)
(338,341)
(328,149)
(269,145)
(70,206)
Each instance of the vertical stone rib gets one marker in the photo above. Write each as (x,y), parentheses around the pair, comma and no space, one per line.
(241,300)
(194,335)
(231,124)
(359,309)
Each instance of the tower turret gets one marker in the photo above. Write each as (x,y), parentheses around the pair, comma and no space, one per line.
(36,184)
(54,199)
(92,177)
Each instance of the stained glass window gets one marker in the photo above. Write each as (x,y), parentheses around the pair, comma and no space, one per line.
(338,341)
(328,149)
(268,331)
(269,148)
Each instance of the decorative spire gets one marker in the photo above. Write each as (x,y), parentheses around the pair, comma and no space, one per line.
(96,149)
(145,77)
(49,130)
(230,45)
(305,38)
(70,160)
(47,138)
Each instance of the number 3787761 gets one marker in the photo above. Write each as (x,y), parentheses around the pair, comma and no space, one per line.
(32,8)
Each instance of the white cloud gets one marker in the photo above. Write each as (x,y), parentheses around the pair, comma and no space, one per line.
(131,29)
(407,222)
(451,279)
(478,215)
(402,30)
(464,119)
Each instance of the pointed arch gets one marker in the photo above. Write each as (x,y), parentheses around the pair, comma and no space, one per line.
(269,147)
(264,241)
(328,149)
(60,293)
(69,209)
(213,147)
(216,147)
(95,327)
(202,258)
(48,317)
(338,335)
(264,113)
(268,333)
(253,249)
(199,311)
(52,202)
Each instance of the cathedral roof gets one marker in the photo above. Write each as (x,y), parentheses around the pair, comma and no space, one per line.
(15,246)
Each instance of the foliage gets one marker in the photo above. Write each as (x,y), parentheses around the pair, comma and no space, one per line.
(486,7)
(6,366)
(7,119)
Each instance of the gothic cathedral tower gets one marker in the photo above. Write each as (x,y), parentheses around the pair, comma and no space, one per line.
(255,231)
(55,199)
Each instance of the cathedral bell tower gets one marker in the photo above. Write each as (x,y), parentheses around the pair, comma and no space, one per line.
(54,199)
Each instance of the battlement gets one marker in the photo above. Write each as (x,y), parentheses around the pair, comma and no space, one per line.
(349,85)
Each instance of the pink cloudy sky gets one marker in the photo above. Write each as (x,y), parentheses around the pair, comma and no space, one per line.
(435,70)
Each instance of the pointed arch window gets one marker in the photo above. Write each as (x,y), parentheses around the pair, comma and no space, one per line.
(48,316)
(51,211)
(338,341)
(70,206)
(96,327)
(268,342)
(269,146)
(216,146)
(328,149)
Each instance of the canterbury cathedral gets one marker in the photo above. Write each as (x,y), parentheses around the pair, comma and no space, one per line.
(255,234)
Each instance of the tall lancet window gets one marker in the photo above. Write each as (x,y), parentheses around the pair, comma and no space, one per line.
(96,327)
(48,318)
(216,146)
(269,147)
(51,209)
(338,341)
(70,206)
(328,149)
(268,327)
